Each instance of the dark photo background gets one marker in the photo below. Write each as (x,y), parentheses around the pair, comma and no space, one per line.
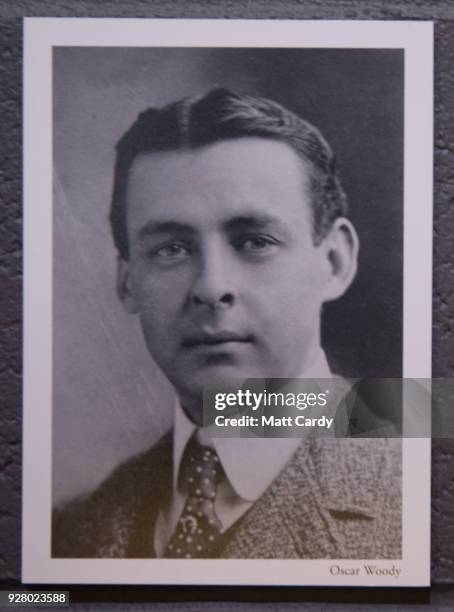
(109,398)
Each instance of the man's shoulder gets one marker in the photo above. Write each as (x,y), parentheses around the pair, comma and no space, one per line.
(101,523)
(355,454)
(358,482)
(336,498)
(349,469)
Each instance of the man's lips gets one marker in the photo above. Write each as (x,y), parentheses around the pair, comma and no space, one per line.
(215,338)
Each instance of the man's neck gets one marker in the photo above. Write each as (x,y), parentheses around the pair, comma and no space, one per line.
(316,366)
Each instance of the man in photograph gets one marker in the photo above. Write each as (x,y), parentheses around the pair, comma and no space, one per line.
(232,231)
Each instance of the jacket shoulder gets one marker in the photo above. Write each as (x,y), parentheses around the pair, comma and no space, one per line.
(102,523)
(360,483)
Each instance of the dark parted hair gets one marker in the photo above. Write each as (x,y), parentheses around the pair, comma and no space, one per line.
(220,115)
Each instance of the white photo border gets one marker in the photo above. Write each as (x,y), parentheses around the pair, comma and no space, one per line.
(40,36)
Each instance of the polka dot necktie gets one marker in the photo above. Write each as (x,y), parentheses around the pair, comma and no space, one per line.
(198,528)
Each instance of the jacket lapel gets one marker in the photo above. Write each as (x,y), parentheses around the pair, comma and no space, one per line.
(153,494)
(324,483)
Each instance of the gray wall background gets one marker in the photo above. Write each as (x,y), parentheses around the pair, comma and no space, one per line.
(10,251)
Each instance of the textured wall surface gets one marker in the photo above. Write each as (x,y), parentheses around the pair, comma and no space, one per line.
(442,12)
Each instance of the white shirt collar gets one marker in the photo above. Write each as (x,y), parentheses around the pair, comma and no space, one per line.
(250,464)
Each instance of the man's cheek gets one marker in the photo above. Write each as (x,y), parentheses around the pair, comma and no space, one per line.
(156,295)
(165,291)
(158,317)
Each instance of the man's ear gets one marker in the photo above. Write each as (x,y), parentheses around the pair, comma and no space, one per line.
(341,247)
(124,290)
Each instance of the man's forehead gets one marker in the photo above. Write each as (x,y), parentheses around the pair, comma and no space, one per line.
(247,177)
(247,220)
(244,157)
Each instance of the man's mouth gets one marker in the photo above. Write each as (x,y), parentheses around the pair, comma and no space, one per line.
(217,338)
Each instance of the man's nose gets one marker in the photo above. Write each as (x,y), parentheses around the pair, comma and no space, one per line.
(213,286)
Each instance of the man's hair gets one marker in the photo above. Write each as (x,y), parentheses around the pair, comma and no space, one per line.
(221,115)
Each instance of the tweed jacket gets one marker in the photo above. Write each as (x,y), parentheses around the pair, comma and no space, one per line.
(336,498)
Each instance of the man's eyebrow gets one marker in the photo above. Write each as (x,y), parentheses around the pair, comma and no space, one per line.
(253,221)
(165,227)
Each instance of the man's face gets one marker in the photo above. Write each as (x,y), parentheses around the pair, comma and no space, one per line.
(223,272)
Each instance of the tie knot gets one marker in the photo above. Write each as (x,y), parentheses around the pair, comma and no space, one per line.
(200,470)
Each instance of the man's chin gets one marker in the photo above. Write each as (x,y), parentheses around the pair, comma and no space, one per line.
(194,382)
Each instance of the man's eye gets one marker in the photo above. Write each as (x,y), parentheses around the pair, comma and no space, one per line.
(172,252)
(257,244)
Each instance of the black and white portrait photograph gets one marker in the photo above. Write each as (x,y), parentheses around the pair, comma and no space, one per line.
(211,202)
